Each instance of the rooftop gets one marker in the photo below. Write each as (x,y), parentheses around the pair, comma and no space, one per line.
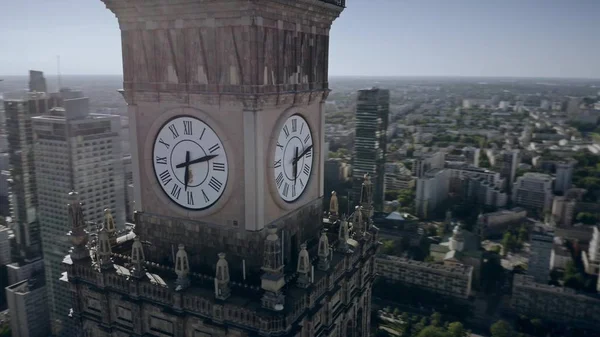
(459,269)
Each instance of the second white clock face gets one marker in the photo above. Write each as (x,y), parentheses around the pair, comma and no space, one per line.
(293,160)
(190,163)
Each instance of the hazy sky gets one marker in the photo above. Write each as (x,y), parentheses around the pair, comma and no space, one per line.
(550,38)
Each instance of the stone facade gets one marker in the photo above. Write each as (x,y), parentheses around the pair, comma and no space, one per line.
(452,281)
(240,267)
(555,304)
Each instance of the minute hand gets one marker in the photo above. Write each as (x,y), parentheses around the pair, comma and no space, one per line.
(199,160)
(302,154)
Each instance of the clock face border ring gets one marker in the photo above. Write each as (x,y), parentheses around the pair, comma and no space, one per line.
(159,194)
(283,204)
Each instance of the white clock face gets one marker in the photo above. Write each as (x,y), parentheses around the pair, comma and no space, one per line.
(293,160)
(190,163)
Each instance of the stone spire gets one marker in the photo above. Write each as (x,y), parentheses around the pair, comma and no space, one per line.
(366,202)
(324,252)
(104,250)
(273,279)
(343,235)
(222,290)
(357,223)
(78,233)
(333,204)
(304,268)
(137,258)
(109,225)
(182,268)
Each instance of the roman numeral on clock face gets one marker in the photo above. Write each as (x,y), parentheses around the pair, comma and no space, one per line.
(161,160)
(190,198)
(286,131)
(175,191)
(214,148)
(294,125)
(187,128)
(163,143)
(219,166)
(286,189)
(173,129)
(165,177)
(215,184)
(306,169)
(279,179)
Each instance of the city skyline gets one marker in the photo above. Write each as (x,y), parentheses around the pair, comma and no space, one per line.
(428,38)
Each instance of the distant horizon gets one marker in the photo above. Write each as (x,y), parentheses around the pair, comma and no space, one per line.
(354,76)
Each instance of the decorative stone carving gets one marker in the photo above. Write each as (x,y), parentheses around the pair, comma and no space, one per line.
(182,268)
(324,252)
(304,268)
(222,290)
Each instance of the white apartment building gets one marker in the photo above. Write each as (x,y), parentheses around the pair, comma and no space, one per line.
(564,176)
(453,281)
(563,210)
(539,259)
(559,257)
(496,223)
(428,162)
(432,191)
(398,177)
(74,151)
(533,191)
(591,258)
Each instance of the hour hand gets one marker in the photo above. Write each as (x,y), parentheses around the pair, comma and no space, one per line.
(187,171)
(198,160)
(308,148)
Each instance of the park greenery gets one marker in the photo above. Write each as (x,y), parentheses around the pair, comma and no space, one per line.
(513,241)
(587,174)
(419,326)
(405,197)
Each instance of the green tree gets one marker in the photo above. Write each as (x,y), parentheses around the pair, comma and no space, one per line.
(501,329)
(456,329)
(436,319)
(508,243)
(397,312)
(433,331)
(538,325)
(388,247)
(523,234)
(587,218)
(572,276)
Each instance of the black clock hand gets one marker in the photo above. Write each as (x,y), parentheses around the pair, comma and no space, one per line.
(295,164)
(187,170)
(303,153)
(195,161)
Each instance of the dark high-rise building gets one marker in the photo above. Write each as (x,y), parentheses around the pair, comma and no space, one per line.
(228,167)
(372,111)
(37,81)
(19,109)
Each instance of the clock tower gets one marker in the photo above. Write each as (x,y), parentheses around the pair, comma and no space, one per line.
(225,100)
(248,72)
